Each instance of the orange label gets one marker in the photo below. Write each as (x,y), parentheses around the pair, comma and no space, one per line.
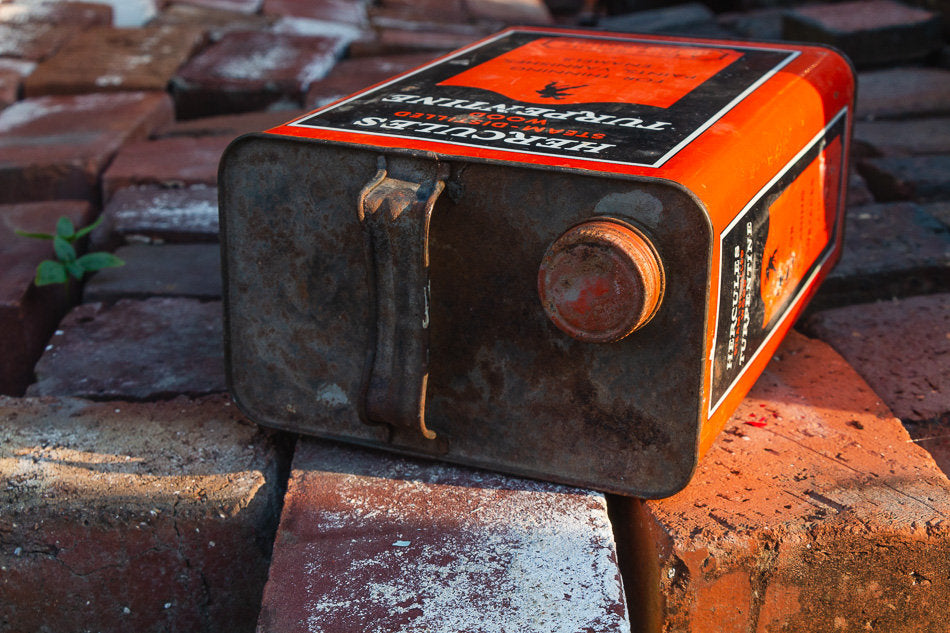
(570,71)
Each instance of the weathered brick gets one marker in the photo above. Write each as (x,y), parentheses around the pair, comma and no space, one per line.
(168,162)
(386,12)
(420,37)
(352,12)
(134,517)
(10,81)
(759,24)
(247,7)
(81,14)
(158,214)
(660,20)
(250,70)
(230,125)
(159,270)
(900,348)
(509,11)
(29,314)
(134,350)
(915,136)
(890,250)
(105,59)
(134,13)
(903,92)
(918,178)
(858,192)
(215,22)
(55,147)
(34,41)
(357,73)
(812,512)
(371,542)
(870,32)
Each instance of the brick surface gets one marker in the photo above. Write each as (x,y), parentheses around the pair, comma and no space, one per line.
(920,178)
(890,250)
(369,542)
(760,24)
(157,214)
(858,192)
(249,71)
(56,147)
(870,32)
(230,125)
(159,270)
(351,12)
(509,11)
(133,517)
(29,314)
(248,7)
(134,350)
(659,20)
(903,92)
(169,162)
(215,22)
(34,41)
(812,512)
(901,348)
(915,136)
(82,14)
(421,37)
(131,13)
(10,81)
(447,11)
(357,73)
(105,59)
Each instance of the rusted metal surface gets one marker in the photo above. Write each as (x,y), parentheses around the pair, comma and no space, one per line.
(601,281)
(395,215)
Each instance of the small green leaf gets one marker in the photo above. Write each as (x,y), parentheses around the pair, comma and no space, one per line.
(36,236)
(74,269)
(64,250)
(50,272)
(65,229)
(97,261)
(87,230)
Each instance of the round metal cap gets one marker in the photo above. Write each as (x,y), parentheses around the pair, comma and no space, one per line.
(600,281)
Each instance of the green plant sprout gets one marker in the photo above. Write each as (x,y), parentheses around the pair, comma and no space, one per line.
(68,265)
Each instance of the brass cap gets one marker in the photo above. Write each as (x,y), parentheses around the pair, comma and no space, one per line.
(600,281)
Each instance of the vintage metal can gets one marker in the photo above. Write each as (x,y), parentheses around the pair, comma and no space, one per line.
(559,254)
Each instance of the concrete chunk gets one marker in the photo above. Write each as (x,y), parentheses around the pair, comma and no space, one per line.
(371,542)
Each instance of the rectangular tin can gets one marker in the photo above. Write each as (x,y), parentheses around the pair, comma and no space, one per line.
(559,254)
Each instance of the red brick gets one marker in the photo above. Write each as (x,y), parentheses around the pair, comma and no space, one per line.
(902,138)
(351,12)
(919,178)
(169,162)
(371,542)
(421,37)
(903,92)
(134,517)
(509,11)
(870,32)
(357,73)
(56,147)
(10,81)
(34,41)
(29,314)
(248,7)
(104,59)
(901,348)
(812,512)
(215,22)
(82,14)
(159,214)
(248,71)
(230,125)
(159,270)
(134,350)
(448,11)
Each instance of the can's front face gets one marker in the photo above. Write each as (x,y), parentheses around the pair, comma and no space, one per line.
(525,256)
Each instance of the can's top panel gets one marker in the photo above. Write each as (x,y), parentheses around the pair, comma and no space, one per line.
(553,97)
